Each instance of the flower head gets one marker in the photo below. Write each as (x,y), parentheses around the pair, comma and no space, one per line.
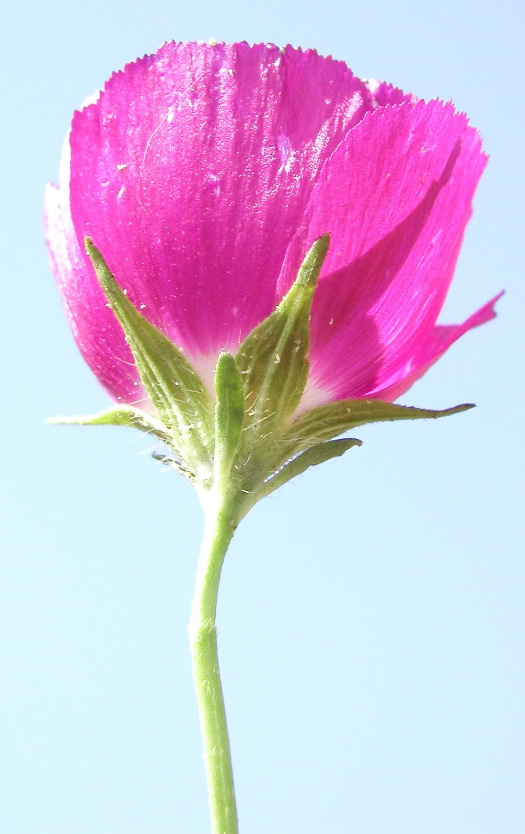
(204,173)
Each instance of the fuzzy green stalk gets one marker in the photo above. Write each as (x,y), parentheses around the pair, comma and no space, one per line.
(220,525)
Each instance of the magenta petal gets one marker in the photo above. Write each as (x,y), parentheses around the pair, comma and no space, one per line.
(97,332)
(395,196)
(439,340)
(191,174)
(203,173)
(383,94)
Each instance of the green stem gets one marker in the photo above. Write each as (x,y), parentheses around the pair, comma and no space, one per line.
(219,528)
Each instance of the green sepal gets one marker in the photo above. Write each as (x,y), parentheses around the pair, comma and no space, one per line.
(176,390)
(312,457)
(273,359)
(312,432)
(121,415)
(331,420)
(229,416)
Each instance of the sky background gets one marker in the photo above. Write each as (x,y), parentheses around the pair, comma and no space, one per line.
(371,615)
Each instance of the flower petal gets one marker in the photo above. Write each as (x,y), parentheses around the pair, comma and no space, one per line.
(96,330)
(383,94)
(191,173)
(203,173)
(438,341)
(395,197)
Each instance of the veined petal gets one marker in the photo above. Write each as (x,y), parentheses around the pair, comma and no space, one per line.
(426,353)
(191,173)
(203,174)
(395,196)
(97,332)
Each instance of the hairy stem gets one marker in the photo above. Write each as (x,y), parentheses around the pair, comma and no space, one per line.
(219,528)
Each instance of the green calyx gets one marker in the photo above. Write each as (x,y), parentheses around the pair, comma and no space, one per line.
(247,442)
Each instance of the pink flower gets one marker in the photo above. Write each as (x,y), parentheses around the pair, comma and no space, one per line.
(203,174)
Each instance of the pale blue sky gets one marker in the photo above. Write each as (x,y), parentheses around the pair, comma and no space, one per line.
(371,620)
